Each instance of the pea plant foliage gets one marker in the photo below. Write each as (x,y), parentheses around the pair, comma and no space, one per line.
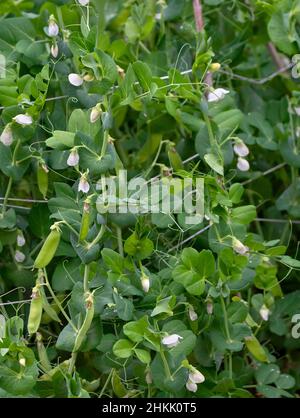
(149,198)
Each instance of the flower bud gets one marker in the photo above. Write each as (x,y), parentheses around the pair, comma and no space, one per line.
(215,66)
(19,256)
(22,362)
(54,50)
(75,79)
(88,77)
(192,314)
(23,120)
(145,283)
(95,113)
(53,29)
(209,307)
(239,247)
(20,239)
(83,2)
(171,340)
(241,149)
(148,377)
(216,95)
(191,386)
(121,71)
(264,312)
(7,137)
(243,164)
(73,158)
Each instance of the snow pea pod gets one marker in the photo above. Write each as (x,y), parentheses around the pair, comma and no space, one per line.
(49,248)
(36,309)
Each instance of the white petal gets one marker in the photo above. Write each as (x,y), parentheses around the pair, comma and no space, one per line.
(95,114)
(53,29)
(196,377)
(83,185)
(192,314)
(145,284)
(73,159)
(20,241)
(23,119)
(75,79)
(54,51)
(191,386)
(7,137)
(216,95)
(264,312)
(243,164)
(209,308)
(19,256)
(171,340)
(239,247)
(83,2)
(241,149)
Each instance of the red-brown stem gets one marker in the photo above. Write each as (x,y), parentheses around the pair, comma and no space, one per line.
(275,56)
(198,15)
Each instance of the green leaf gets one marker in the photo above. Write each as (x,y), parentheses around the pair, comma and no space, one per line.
(123,348)
(61,140)
(215,163)
(135,330)
(142,355)
(243,214)
(138,248)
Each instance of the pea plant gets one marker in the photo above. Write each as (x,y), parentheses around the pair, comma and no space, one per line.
(149,156)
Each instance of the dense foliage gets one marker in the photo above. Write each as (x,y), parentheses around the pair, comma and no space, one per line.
(147,305)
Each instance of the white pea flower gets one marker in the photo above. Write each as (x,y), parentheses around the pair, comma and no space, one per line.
(145,283)
(20,240)
(73,158)
(22,362)
(54,50)
(7,137)
(23,120)
(53,28)
(264,312)
(19,256)
(95,113)
(216,95)
(192,314)
(191,386)
(75,79)
(196,377)
(83,185)
(243,164)
(239,247)
(83,2)
(241,149)
(171,340)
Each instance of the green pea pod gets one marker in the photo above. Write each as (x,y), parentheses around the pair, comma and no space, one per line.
(35,313)
(256,349)
(48,308)
(85,222)
(48,249)
(42,179)
(175,159)
(42,353)
(86,323)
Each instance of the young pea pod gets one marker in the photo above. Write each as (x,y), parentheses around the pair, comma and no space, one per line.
(36,309)
(174,158)
(256,349)
(48,249)
(48,308)
(85,221)
(86,323)
(42,353)
(42,178)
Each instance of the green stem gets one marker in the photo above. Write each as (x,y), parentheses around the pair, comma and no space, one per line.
(225,319)
(58,302)
(86,278)
(106,383)
(166,365)
(72,362)
(104,144)
(8,189)
(120,241)
(98,237)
